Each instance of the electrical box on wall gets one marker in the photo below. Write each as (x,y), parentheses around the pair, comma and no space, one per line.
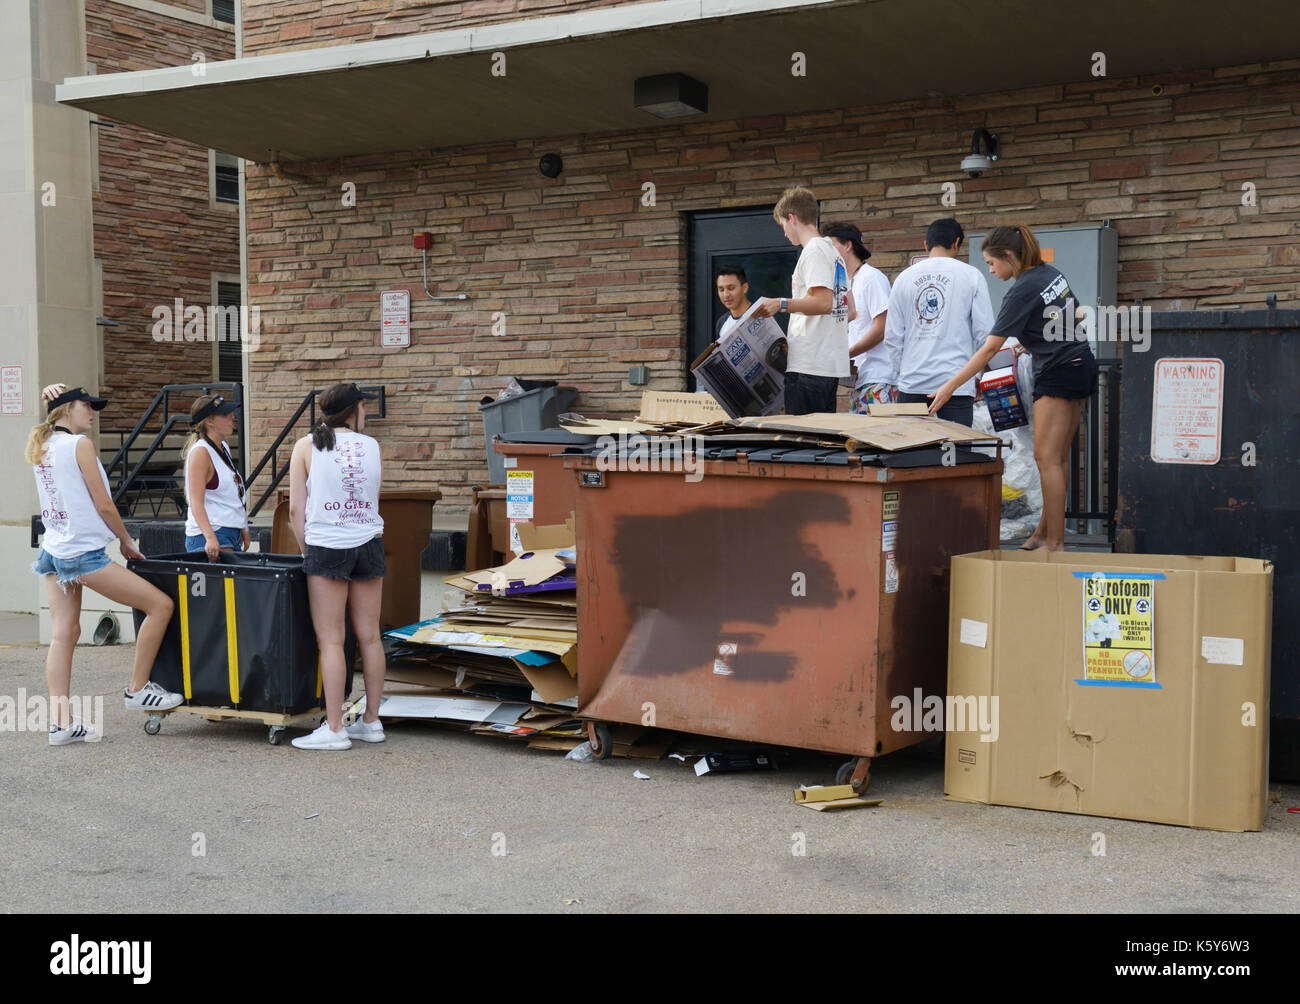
(1088,257)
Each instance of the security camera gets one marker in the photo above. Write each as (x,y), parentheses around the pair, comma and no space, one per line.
(983,152)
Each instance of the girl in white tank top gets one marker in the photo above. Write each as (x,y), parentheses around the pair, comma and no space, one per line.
(80,520)
(334,478)
(215,518)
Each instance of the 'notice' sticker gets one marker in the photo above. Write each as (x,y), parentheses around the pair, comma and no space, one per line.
(974,633)
(1223,651)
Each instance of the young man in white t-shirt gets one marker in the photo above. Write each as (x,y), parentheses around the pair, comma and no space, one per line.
(939,314)
(820,309)
(733,291)
(876,380)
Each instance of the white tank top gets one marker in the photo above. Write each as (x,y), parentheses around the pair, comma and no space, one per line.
(343,492)
(73,525)
(222,504)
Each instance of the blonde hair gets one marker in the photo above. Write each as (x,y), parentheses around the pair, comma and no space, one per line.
(35,453)
(798,202)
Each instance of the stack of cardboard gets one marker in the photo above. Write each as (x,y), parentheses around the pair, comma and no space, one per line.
(503,661)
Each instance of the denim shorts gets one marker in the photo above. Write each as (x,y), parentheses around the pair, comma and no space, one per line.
(227,536)
(71,569)
(352,564)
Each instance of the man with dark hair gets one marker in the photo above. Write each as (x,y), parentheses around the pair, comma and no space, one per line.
(939,314)
(733,291)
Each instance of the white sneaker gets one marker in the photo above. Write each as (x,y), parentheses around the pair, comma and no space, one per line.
(324,739)
(74,733)
(367,732)
(152,697)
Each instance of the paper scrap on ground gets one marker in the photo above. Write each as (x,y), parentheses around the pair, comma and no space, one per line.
(640,776)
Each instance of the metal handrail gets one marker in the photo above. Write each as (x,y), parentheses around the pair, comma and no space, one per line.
(163,397)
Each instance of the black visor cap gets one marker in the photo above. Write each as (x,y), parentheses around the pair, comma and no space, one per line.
(76,394)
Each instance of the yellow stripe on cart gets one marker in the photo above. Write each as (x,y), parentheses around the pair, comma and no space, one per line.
(232,645)
(183,593)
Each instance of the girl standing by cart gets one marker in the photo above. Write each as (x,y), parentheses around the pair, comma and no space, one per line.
(334,477)
(80,520)
(216,519)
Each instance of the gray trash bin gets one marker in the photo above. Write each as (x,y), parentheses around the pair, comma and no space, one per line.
(538,407)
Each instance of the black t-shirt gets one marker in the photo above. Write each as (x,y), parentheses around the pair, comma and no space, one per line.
(1038,310)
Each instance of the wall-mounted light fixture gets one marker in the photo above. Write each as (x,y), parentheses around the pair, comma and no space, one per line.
(980,160)
(670,95)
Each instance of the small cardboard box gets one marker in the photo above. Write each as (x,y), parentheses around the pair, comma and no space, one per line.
(1134,686)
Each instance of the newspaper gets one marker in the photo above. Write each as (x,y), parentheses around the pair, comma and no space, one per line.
(745,369)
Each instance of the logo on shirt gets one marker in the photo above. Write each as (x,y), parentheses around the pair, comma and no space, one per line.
(840,311)
(929,304)
(349,455)
(1056,289)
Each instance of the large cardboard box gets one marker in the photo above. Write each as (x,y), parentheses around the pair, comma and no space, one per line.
(1127,685)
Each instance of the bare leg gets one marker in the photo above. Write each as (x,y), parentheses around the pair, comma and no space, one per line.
(329,600)
(121,585)
(364,600)
(1056,421)
(65,613)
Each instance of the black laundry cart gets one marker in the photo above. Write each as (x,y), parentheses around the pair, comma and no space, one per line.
(240,643)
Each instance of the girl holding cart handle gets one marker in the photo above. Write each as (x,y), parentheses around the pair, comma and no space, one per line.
(216,519)
(334,477)
(80,520)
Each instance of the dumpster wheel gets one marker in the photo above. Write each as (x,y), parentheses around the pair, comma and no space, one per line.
(602,743)
(275,735)
(855,772)
(153,724)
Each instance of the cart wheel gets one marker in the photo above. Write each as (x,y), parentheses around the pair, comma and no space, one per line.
(602,743)
(153,724)
(847,769)
(275,735)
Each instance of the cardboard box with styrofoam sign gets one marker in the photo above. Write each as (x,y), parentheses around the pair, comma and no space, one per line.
(1133,686)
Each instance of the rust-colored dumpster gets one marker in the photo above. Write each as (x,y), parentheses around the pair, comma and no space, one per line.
(769,602)
(542,452)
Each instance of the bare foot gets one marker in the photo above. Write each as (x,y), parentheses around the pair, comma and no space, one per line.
(1059,546)
(1032,544)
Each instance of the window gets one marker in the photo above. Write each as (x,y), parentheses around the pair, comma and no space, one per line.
(225,178)
(230,348)
(223,10)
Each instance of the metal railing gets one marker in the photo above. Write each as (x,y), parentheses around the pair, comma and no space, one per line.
(138,482)
(1092,490)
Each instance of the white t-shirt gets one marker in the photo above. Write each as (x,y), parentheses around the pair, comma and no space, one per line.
(871,297)
(727,325)
(343,492)
(939,314)
(73,525)
(224,507)
(818,344)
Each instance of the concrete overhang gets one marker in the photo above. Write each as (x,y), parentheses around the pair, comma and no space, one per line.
(573,73)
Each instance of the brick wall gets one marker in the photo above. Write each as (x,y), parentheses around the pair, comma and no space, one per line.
(283,25)
(155,232)
(590,281)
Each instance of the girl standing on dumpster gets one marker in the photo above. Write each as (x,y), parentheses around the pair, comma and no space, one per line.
(1065,370)
(80,520)
(216,519)
(334,478)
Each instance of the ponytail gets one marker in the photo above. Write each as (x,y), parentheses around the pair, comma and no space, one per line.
(35,452)
(1016,242)
(322,433)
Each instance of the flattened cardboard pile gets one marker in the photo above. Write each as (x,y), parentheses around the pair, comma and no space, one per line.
(661,412)
(891,428)
(504,661)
